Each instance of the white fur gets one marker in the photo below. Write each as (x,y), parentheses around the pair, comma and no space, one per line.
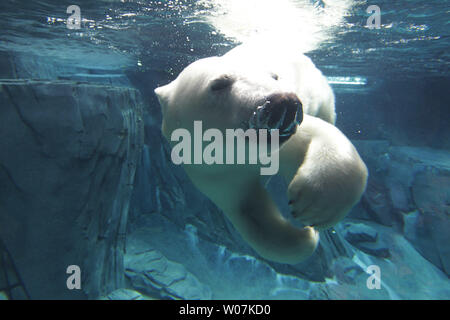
(325,173)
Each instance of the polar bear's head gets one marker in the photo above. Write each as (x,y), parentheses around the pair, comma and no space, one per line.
(225,94)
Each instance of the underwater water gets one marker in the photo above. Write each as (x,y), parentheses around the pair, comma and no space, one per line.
(87,183)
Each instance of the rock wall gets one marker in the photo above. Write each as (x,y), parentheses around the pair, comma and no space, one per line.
(409,191)
(68,155)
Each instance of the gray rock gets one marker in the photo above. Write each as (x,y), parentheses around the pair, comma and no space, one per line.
(346,270)
(428,227)
(365,238)
(124,294)
(380,250)
(376,204)
(409,189)
(69,153)
(155,275)
(359,232)
(405,275)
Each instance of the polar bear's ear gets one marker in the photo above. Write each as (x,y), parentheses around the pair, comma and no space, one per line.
(163,94)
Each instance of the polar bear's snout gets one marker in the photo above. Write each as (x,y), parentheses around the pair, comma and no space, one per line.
(281,111)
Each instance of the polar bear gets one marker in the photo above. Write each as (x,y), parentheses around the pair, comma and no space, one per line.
(325,174)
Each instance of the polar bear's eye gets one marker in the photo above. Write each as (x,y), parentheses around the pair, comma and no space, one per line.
(275,76)
(221,83)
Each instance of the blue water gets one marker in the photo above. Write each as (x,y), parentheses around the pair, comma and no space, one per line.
(392,99)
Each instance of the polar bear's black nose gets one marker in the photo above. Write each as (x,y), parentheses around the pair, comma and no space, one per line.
(282,111)
(285,110)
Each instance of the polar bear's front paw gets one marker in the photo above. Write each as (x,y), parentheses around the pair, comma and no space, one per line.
(282,111)
(319,204)
(325,189)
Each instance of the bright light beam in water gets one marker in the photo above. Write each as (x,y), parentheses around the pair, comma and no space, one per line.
(301,24)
